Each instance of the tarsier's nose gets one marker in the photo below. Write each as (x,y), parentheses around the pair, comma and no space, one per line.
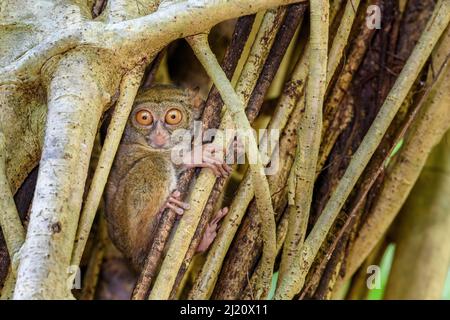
(159,138)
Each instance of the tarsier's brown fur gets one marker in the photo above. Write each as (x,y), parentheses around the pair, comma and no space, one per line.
(143,176)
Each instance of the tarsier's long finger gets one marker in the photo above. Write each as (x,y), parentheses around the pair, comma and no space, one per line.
(178,203)
(227,168)
(209,159)
(219,164)
(207,239)
(175,209)
(211,166)
(223,170)
(219,216)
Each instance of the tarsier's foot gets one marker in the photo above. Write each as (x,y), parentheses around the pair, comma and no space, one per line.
(211,230)
(174,203)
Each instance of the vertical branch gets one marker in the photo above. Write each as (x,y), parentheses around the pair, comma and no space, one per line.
(332,123)
(10,223)
(77,95)
(128,89)
(341,38)
(308,142)
(292,20)
(422,252)
(260,49)
(90,279)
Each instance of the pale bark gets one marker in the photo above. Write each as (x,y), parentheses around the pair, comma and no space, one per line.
(10,223)
(308,142)
(341,38)
(91,278)
(131,39)
(128,89)
(75,105)
(422,252)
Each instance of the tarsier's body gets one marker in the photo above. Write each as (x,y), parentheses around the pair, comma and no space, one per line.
(143,178)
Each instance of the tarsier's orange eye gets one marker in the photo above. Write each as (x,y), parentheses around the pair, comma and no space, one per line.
(173,116)
(144,118)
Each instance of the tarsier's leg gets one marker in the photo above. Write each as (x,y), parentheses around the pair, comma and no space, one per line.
(174,203)
(211,230)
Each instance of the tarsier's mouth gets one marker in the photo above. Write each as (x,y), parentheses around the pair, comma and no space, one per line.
(164,146)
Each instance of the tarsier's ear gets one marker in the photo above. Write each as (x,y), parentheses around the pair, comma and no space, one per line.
(197,102)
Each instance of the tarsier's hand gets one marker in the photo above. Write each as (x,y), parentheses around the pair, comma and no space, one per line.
(174,203)
(212,157)
(211,230)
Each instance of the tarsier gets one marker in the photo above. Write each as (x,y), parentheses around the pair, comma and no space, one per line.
(143,179)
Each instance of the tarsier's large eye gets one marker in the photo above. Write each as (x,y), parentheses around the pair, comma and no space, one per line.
(144,118)
(173,116)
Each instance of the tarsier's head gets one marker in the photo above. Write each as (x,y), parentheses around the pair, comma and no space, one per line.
(158,112)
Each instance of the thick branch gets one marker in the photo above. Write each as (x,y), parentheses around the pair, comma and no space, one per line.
(77,95)
(308,142)
(128,89)
(134,39)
